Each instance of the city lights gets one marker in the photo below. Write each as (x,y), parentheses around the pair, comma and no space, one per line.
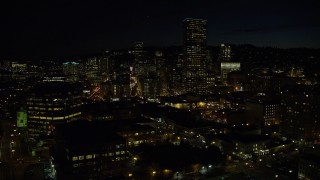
(160,90)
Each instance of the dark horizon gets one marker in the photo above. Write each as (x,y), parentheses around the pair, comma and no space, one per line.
(97,53)
(51,30)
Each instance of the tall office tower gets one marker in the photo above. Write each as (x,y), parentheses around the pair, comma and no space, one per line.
(106,66)
(92,69)
(226,66)
(106,63)
(71,70)
(49,104)
(145,71)
(195,43)
(139,59)
(225,53)
(18,67)
(162,73)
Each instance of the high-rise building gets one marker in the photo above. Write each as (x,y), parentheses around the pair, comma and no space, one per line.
(227,67)
(18,67)
(71,70)
(106,64)
(92,69)
(195,44)
(225,53)
(149,86)
(49,104)
(139,59)
(224,59)
(162,73)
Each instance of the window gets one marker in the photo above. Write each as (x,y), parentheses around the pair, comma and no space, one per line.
(81,157)
(89,156)
(74,158)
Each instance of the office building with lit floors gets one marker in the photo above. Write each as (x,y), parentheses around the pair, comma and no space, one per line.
(89,150)
(263,113)
(195,49)
(300,114)
(71,70)
(49,104)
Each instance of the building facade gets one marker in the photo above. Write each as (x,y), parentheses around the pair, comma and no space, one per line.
(300,113)
(89,150)
(51,103)
(71,70)
(195,44)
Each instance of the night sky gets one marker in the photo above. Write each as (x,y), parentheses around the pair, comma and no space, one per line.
(57,28)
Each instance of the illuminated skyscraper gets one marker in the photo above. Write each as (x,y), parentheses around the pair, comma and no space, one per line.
(225,53)
(71,70)
(139,59)
(226,66)
(92,69)
(195,43)
(52,103)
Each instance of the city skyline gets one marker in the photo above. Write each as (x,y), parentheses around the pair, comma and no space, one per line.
(43,30)
(138,90)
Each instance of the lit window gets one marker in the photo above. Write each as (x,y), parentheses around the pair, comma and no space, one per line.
(89,156)
(81,157)
(74,158)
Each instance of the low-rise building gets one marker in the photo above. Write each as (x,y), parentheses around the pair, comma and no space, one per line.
(309,166)
(89,150)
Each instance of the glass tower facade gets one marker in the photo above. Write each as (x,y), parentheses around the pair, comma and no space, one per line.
(195,43)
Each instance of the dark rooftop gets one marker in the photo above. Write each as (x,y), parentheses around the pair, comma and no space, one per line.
(313,156)
(60,88)
(242,138)
(87,133)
